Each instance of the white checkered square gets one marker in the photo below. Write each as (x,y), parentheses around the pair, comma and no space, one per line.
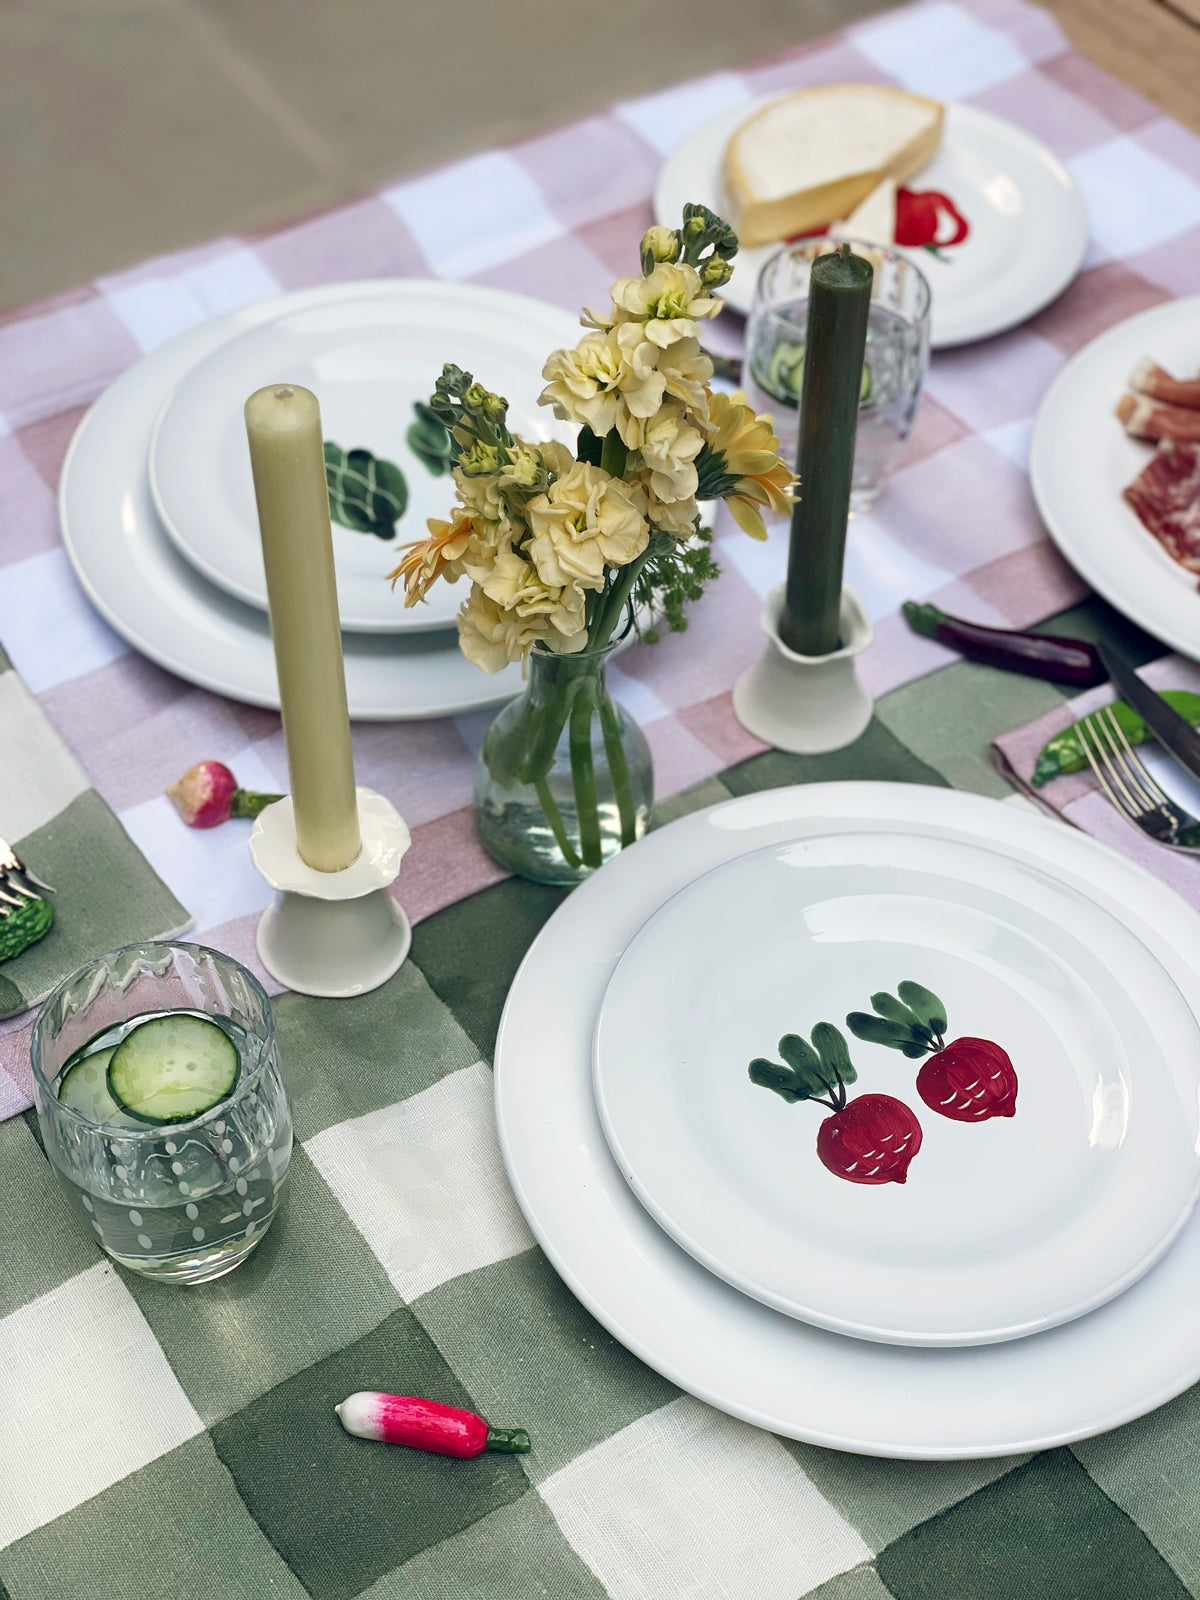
(86,1397)
(39,776)
(941,51)
(475,214)
(424,1183)
(687,1501)
(1134,199)
(51,633)
(663,120)
(209,870)
(157,309)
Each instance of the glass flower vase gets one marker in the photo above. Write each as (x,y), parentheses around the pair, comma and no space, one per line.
(564,778)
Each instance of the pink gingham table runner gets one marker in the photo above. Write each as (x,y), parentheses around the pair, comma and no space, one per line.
(557,217)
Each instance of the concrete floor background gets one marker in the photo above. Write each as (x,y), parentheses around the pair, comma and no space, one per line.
(129,127)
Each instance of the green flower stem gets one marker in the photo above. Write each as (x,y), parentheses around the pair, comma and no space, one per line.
(619,768)
(554,817)
(583,776)
(550,724)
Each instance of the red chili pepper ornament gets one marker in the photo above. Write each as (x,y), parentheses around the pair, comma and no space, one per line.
(425,1425)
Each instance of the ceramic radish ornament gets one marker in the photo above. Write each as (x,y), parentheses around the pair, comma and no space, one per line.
(968,1080)
(871,1139)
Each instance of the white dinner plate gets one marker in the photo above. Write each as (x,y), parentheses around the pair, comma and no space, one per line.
(981,1230)
(1028,226)
(367,351)
(144,588)
(1081,458)
(1132,1354)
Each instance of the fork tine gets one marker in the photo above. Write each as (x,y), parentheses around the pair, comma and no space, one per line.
(1134,760)
(1098,760)
(1121,753)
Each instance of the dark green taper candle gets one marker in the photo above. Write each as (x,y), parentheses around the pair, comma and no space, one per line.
(838,303)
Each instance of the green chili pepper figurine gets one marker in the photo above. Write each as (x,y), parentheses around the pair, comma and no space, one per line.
(1064,753)
(24,926)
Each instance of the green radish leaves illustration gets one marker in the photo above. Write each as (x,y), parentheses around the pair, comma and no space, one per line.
(871,1139)
(968,1080)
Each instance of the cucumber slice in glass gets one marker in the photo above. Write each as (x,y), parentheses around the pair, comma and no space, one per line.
(785,374)
(171,1069)
(84,1087)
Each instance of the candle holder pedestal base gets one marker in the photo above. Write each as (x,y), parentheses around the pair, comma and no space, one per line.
(334,934)
(806,704)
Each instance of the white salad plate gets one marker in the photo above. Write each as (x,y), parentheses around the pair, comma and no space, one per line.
(1028,226)
(1081,458)
(144,588)
(368,351)
(1123,1359)
(996,1228)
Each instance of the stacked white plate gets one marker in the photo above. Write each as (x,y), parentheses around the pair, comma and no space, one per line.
(1031,1280)
(157,504)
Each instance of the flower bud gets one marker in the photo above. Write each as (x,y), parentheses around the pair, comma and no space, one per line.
(475,397)
(495,407)
(661,243)
(716,272)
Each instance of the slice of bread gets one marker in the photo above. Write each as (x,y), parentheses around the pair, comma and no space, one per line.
(809,158)
(874,220)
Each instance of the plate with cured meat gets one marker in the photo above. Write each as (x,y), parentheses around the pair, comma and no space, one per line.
(1115,468)
(906,1089)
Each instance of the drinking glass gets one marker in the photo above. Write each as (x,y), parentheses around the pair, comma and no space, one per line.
(896,357)
(188,1201)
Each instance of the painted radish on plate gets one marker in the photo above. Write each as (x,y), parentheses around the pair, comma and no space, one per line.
(871,1139)
(968,1080)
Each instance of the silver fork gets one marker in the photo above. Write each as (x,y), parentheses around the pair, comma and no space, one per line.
(1123,777)
(18,886)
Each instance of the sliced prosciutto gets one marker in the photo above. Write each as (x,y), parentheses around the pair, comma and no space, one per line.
(1166,496)
(1151,379)
(1145,418)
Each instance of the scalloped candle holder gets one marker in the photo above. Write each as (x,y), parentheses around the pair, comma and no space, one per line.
(806,704)
(334,934)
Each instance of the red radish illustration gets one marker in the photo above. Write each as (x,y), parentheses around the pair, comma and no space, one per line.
(968,1080)
(868,1140)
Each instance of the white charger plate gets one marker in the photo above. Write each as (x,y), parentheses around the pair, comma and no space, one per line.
(1027,218)
(1080,459)
(144,588)
(1124,1359)
(368,351)
(1003,1227)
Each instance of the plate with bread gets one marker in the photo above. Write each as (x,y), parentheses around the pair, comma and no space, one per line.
(993,219)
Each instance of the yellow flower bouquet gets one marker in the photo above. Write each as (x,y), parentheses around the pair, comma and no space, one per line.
(565,553)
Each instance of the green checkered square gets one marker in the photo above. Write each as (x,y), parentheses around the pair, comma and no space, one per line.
(312,1287)
(342,1058)
(44,1244)
(535,1359)
(343,1511)
(175,1530)
(516,1552)
(1042,1532)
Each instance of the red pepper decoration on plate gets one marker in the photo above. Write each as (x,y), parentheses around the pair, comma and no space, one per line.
(425,1425)
(968,1080)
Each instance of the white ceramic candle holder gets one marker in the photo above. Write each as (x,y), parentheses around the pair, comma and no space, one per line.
(806,704)
(335,934)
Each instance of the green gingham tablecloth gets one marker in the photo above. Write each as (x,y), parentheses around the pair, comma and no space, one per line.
(168,1444)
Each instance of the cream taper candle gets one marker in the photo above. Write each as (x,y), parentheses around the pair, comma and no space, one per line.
(283,424)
